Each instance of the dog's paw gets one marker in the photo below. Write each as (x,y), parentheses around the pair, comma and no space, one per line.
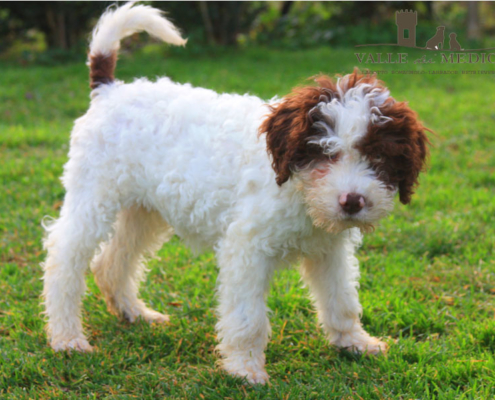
(360,342)
(254,377)
(78,344)
(244,365)
(373,346)
(154,316)
(147,314)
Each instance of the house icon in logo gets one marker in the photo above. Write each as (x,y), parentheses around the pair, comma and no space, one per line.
(406,27)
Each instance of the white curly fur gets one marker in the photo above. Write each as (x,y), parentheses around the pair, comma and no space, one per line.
(151,157)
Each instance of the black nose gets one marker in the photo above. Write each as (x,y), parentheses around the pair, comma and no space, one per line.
(352,203)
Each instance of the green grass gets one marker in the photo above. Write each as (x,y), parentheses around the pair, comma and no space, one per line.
(427,283)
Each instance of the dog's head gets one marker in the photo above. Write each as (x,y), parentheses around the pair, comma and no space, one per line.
(350,146)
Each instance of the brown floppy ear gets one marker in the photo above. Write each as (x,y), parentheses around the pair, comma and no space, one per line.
(400,145)
(288,128)
(411,147)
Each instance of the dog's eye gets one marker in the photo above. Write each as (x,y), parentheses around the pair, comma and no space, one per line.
(334,157)
(377,159)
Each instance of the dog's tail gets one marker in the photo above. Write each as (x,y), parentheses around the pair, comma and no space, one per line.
(118,23)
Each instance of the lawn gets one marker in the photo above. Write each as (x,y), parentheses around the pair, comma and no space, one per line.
(428,271)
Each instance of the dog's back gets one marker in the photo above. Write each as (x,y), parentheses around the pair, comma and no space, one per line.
(167,145)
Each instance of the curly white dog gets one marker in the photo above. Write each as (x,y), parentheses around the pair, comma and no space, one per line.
(261,184)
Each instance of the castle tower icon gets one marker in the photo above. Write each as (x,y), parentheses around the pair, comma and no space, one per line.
(406,27)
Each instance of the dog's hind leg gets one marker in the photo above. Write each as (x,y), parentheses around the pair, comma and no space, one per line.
(119,268)
(71,243)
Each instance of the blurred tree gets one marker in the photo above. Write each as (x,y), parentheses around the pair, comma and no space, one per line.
(63,23)
(286,8)
(293,24)
(473,21)
(216,22)
(303,24)
(205,15)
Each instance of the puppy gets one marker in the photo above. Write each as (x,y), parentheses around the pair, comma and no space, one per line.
(261,184)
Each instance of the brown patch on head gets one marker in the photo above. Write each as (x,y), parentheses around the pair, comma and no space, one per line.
(397,149)
(289,127)
(101,69)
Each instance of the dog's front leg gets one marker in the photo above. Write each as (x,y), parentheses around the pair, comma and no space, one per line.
(243,328)
(333,281)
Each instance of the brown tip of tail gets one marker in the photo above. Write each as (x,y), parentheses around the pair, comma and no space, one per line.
(101,69)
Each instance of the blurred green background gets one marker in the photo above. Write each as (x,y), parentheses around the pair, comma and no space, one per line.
(51,32)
